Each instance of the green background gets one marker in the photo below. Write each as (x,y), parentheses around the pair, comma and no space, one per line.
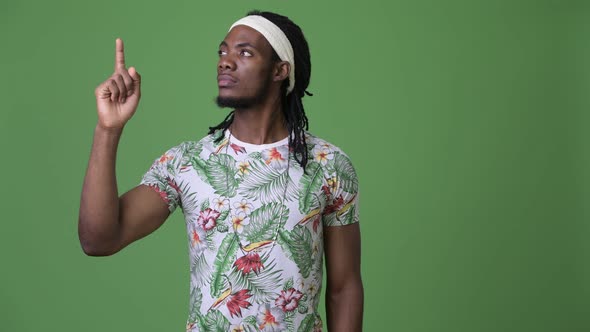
(467,122)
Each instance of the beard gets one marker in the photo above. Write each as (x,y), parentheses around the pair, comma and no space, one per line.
(238,102)
(245,102)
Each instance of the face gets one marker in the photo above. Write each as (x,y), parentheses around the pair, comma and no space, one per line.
(245,68)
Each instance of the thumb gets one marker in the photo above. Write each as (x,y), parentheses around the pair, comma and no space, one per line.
(136,78)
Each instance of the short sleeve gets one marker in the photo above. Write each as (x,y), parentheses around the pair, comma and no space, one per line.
(162,177)
(342,191)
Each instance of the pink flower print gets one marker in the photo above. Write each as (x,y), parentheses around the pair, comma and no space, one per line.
(270,319)
(237,149)
(208,218)
(250,262)
(327,191)
(173,184)
(335,206)
(166,157)
(237,301)
(316,223)
(289,299)
(275,157)
(162,193)
(196,239)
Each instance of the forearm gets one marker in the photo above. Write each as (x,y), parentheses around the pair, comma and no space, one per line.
(99,201)
(344,307)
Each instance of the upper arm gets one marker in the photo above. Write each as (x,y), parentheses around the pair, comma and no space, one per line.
(342,247)
(141,211)
(342,240)
(144,208)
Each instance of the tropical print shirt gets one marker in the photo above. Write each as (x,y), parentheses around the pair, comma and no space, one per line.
(254,221)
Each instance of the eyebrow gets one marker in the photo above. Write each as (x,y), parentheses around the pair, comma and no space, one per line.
(245,44)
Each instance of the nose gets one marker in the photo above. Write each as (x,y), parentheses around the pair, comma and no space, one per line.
(226,63)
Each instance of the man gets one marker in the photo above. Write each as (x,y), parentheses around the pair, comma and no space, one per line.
(263,199)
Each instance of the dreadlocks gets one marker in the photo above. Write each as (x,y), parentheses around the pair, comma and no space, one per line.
(292,106)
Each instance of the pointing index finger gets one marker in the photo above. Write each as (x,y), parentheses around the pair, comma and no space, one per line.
(119,54)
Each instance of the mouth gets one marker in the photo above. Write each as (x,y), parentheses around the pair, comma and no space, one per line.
(224,81)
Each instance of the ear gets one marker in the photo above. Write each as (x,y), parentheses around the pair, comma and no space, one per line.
(281,71)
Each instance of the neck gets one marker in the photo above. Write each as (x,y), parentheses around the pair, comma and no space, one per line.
(261,124)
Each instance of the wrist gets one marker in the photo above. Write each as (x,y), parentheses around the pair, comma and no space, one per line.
(109,131)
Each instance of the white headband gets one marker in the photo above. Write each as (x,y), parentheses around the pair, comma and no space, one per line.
(276,38)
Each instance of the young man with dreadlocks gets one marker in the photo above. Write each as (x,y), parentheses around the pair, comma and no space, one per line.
(264,200)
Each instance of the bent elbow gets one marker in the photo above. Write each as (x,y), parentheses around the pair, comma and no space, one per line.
(94,251)
(92,245)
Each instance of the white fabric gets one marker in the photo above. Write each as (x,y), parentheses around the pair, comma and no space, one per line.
(276,38)
(255,223)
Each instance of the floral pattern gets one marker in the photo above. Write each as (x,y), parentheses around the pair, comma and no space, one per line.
(289,299)
(255,222)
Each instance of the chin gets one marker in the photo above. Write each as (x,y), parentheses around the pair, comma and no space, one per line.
(234,102)
(238,102)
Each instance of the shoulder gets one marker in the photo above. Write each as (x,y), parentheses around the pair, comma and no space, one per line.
(339,184)
(323,151)
(336,165)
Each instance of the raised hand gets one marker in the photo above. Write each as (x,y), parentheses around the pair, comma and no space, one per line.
(117,97)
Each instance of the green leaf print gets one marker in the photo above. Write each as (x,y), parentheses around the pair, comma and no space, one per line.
(200,166)
(205,204)
(288,284)
(255,155)
(289,315)
(210,239)
(188,150)
(300,247)
(222,228)
(261,285)
(250,320)
(189,202)
(202,323)
(310,184)
(284,240)
(171,168)
(349,216)
(302,308)
(307,324)
(345,173)
(221,174)
(250,324)
(223,261)
(196,299)
(200,270)
(217,322)
(222,215)
(267,184)
(263,222)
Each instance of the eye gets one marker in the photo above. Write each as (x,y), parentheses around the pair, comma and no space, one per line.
(245,53)
(220,53)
